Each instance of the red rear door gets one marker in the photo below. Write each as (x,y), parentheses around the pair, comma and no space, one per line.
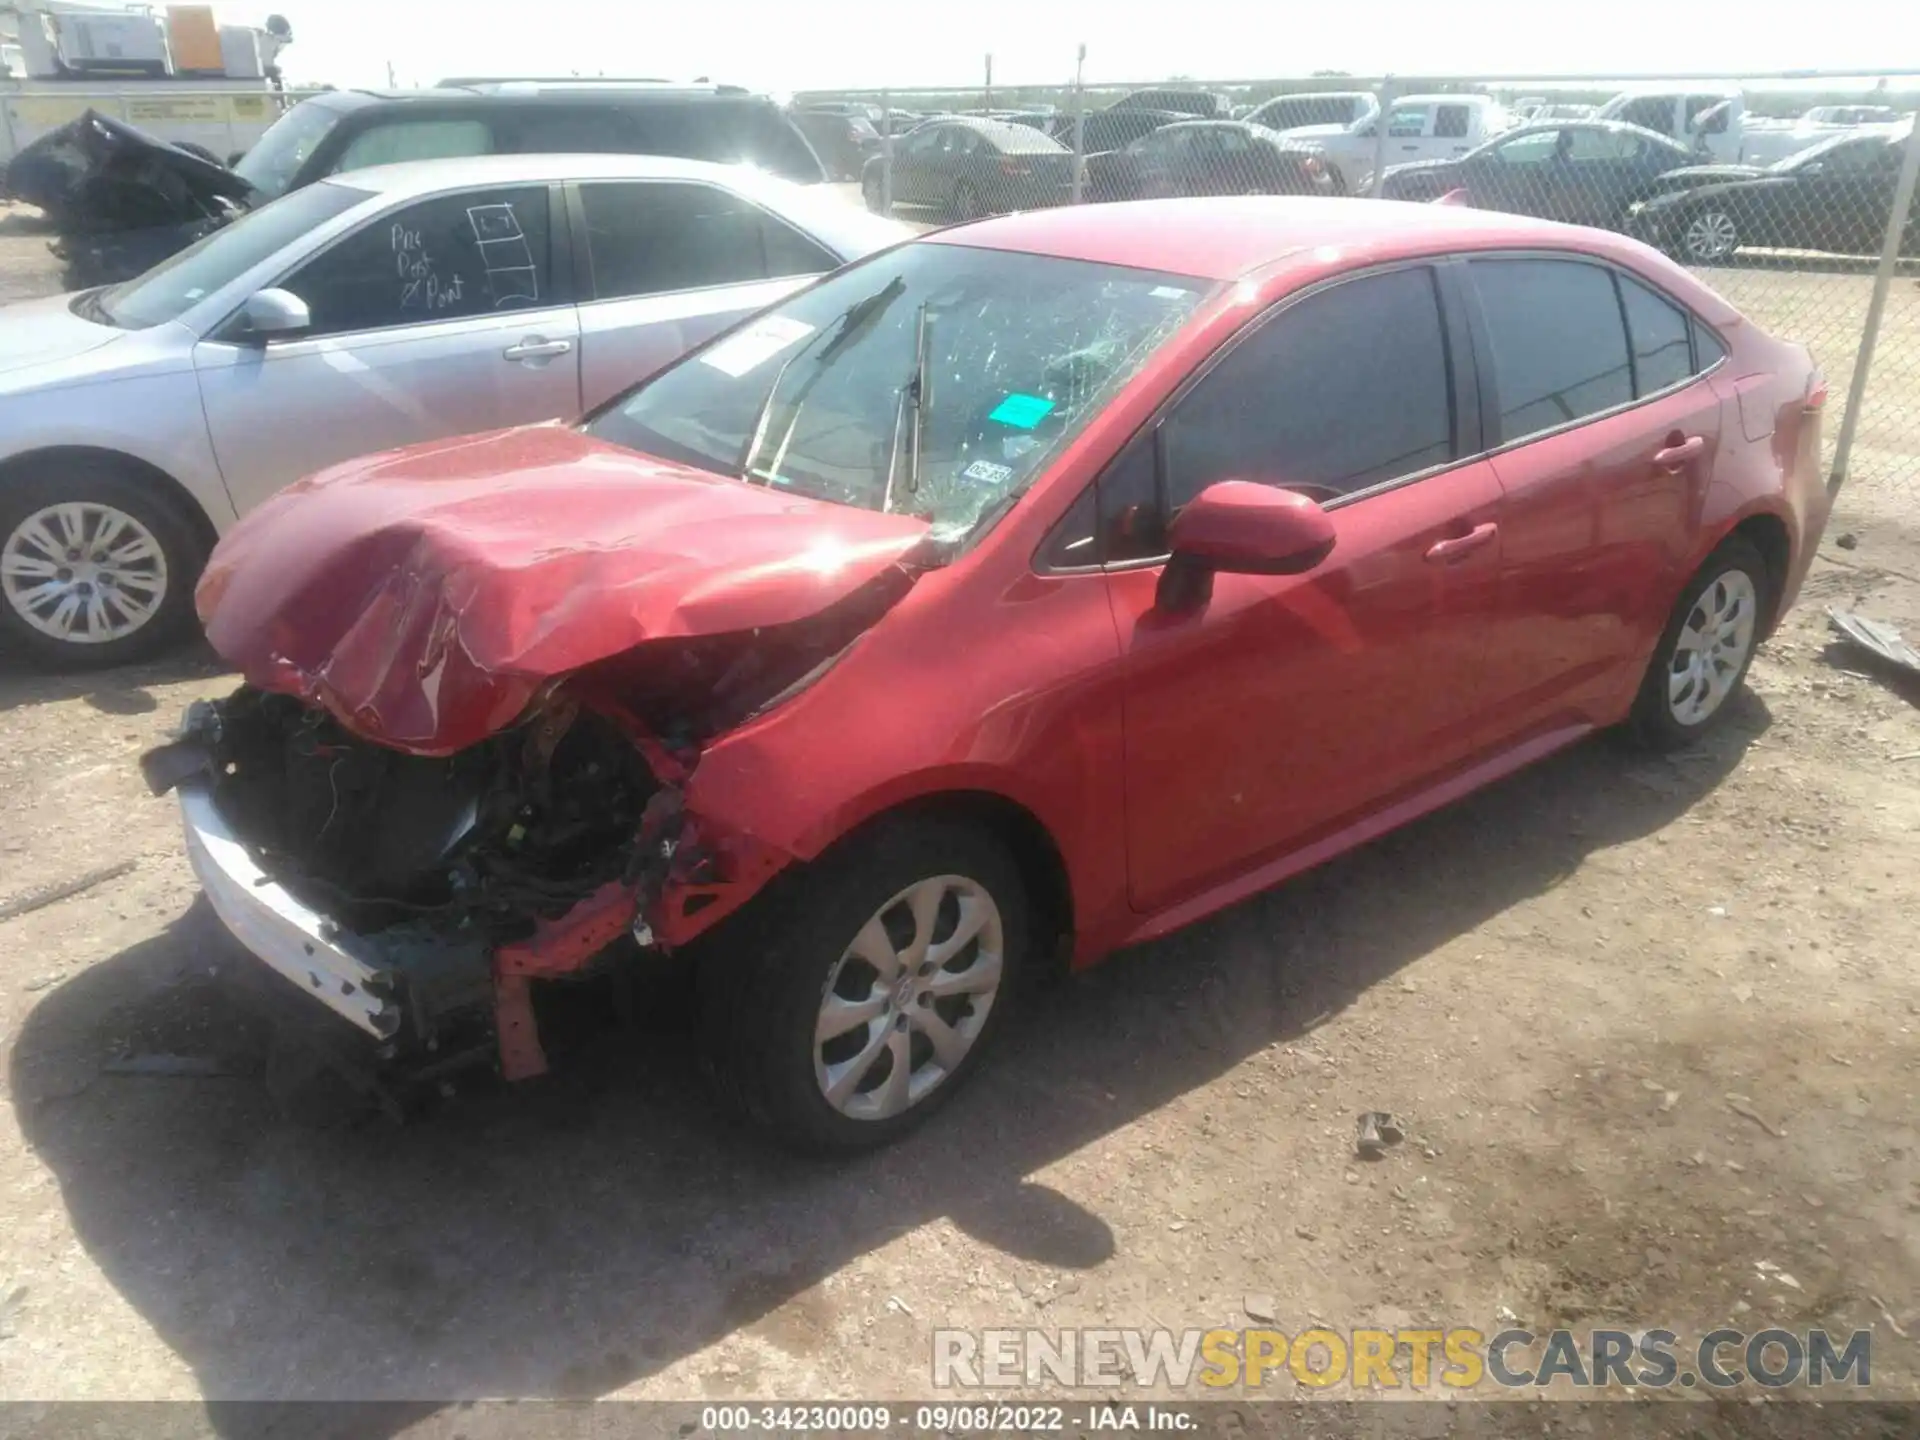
(1593,375)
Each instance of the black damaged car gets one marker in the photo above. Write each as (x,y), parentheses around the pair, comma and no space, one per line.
(1836,197)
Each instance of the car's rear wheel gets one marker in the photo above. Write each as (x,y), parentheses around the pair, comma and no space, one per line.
(966,202)
(859,1000)
(1705,649)
(870,191)
(1708,236)
(96,568)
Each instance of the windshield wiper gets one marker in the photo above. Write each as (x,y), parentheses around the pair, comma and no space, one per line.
(915,396)
(854,319)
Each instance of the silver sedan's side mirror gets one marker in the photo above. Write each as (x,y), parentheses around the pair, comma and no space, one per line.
(275,312)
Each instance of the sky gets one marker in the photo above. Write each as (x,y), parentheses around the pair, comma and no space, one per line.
(785,45)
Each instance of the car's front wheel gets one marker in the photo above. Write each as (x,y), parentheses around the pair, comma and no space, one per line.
(1706,648)
(96,568)
(862,996)
(1708,236)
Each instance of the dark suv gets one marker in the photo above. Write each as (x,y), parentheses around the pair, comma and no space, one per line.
(352,129)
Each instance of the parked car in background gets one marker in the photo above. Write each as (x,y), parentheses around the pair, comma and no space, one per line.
(1205,157)
(1104,130)
(1334,107)
(1836,197)
(1201,104)
(1586,172)
(843,142)
(397,304)
(346,130)
(1419,127)
(1769,142)
(964,168)
(1568,111)
(1208,495)
(1706,118)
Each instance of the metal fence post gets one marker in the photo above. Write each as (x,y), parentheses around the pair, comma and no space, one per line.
(1079,127)
(886,152)
(1380,137)
(1876,307)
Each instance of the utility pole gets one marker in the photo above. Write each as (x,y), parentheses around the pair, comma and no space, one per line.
(989,100)
(1080,125)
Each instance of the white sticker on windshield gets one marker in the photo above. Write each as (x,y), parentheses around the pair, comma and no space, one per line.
(988,473)
(760,341)
(1169,292)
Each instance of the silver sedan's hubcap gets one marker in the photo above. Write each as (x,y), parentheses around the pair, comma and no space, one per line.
(1712,648)
(907,1001)
(83,572)
(1711,236)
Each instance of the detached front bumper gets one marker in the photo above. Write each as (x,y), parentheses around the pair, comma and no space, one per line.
(287,935)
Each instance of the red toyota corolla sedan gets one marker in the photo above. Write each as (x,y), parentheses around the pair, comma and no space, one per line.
(1027,590)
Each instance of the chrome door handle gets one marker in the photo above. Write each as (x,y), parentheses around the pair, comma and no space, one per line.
(1458,547)
(534,348)
(1674,456)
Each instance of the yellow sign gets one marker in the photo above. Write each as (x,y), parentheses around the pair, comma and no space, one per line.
(176,108)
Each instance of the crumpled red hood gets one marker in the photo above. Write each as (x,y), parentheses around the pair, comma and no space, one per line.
(423,596)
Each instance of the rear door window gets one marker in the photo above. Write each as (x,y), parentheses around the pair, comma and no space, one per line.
(1451,122)
(1346,389)
(1559,345)
(1662,351)
(447,258)
(395,141)
(655,238)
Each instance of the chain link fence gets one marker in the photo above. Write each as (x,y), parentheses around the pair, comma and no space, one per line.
(1791,196)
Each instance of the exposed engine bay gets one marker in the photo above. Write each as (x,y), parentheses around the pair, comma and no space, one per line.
(485,842)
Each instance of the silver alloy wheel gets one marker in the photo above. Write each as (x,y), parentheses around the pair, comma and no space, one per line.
(1711,235)
(1712,647)
(83,572)
(905,1004)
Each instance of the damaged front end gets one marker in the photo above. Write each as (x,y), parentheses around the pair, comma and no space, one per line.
(481,676)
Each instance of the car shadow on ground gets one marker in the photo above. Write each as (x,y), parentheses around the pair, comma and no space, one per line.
(124,690)
(571,1236)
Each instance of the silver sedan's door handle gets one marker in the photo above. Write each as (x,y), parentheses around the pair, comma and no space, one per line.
(535,348)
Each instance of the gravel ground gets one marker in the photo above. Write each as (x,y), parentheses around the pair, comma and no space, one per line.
(1558,984)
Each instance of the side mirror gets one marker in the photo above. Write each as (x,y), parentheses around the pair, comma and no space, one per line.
(275,312)
(1241,528)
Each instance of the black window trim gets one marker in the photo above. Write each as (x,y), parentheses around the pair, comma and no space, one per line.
(1497,442)
(1468,403)
(588,292)
(560,268)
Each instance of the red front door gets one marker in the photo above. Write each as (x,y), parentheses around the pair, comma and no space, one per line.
(1283,705)
(1290,703)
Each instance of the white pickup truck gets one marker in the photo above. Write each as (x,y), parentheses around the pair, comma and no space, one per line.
(1419,127)
(1710,119)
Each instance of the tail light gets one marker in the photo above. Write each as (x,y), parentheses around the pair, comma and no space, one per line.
(1315,170)
(1014,167)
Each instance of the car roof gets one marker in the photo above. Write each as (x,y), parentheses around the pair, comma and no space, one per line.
(428,176)
(1587,122)
(1442,99)
(1233,237)
(554,92)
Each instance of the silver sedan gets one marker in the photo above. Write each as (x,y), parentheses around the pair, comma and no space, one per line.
(368,311)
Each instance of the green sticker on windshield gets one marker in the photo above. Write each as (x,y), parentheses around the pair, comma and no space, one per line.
(1022,412)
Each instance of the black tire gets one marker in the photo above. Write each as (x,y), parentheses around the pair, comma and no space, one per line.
(966,202)
(1652,723)
(870,192)
(103,481)
(763,981)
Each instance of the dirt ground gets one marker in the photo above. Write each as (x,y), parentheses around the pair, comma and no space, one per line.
(1650,1024)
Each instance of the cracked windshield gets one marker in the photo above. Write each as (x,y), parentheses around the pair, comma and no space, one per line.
(936,380)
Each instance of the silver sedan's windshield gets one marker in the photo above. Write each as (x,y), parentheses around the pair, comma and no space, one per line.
(181,281)
(934,379)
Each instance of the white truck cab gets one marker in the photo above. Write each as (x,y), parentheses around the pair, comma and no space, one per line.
(1708,118)
(1419,127)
